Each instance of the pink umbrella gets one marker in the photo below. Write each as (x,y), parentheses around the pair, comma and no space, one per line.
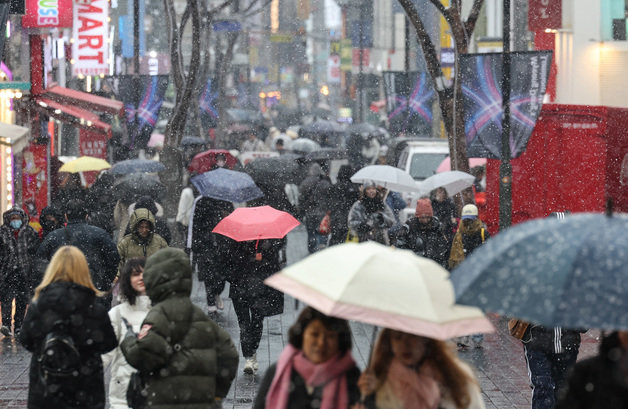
(445,165)
(256,223)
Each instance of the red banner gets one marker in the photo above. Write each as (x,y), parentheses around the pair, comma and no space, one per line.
(48,13)
(545,14)
(92,143)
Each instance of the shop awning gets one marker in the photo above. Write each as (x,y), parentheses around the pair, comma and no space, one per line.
(14,136)
(83,100)
(75,115)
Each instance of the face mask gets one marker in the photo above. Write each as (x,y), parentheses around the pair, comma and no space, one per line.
(16,224)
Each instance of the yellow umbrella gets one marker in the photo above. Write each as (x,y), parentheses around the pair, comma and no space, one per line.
(85,164)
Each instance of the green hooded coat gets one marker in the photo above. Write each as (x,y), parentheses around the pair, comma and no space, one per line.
(186,359)
(132,245)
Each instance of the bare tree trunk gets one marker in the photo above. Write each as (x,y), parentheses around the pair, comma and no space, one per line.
(449,95)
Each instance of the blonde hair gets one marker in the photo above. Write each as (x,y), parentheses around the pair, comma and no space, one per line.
(441,356)
(68,264)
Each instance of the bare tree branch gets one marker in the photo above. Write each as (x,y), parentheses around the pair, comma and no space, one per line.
(259,9)
(469,25)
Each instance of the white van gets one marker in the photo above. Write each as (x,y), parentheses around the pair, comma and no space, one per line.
(420,158)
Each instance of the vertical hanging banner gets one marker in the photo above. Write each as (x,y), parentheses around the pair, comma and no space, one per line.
(142,110)
(481,76)
(90,33)
(409,99)
(545,14)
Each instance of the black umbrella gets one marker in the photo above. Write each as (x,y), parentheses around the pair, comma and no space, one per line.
(277,170)
(321,127)
(126,167)
(192,140)
(131,187)
(326,154)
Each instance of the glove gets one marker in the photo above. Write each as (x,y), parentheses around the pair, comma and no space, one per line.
(363,228)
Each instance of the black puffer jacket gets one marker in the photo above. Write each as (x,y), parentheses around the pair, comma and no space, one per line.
(99,250)
(426,241)
(599,382)
(248,275)
(92,334)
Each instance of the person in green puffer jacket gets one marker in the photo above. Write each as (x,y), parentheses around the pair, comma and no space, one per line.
(142,241)
(186,359)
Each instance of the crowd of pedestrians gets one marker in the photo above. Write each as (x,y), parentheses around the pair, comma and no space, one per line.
(105,277)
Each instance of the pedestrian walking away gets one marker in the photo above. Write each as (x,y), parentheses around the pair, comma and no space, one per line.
(314,204)
(370,217)
(343,195)
(19,245)
(185,359)
(66,305)
(316,368)
(51,219)
(254,261)
(209,250)
(408,370)
(132,309)
(95,243)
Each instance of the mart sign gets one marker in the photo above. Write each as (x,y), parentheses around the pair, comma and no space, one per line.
(90,50)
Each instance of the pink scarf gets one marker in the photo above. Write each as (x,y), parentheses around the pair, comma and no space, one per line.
(329,374)
(417,390)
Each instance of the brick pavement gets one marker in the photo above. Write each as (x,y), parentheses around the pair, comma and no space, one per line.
(500,364)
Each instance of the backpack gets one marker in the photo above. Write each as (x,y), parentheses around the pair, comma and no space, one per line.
(59,358)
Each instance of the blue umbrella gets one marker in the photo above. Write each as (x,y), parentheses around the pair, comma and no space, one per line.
(136,166)
(227,185)
(570,273)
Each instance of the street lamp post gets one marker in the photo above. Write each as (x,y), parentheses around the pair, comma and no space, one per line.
(505,169)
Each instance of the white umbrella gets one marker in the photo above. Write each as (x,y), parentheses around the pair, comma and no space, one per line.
(383,286)
(454,181)
(387,176)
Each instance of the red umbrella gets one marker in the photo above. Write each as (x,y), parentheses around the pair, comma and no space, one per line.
(256,223)
(205,161)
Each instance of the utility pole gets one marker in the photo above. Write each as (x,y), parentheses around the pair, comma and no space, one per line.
(505,169)
(361,69)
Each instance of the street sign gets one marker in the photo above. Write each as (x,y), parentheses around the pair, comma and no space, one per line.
(226,26)
(366,54)
(346,56)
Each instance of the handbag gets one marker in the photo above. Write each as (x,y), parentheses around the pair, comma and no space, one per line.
(325,225)
(137,392)
(517,328)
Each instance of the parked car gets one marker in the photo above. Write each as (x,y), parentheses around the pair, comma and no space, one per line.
(420,158)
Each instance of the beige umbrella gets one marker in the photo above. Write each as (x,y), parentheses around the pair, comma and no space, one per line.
(383,286)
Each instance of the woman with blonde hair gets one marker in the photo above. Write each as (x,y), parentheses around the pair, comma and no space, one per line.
(411,371)
(67,303)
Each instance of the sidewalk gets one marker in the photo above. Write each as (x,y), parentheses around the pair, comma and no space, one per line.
(500,364)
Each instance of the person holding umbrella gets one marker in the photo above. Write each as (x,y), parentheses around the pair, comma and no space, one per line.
(408,370)
(315,369)
(259,233)
(370,217)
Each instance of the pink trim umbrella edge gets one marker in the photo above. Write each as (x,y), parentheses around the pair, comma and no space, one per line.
(378,317)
